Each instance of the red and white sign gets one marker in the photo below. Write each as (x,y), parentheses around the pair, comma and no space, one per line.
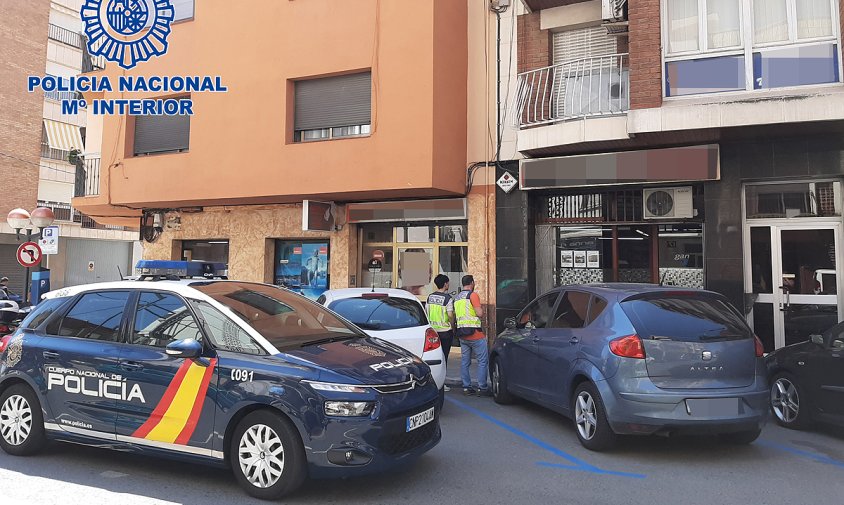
(507,182)
(29,254)
(378,254)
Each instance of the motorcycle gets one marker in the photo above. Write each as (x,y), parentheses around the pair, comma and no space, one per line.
(11,315)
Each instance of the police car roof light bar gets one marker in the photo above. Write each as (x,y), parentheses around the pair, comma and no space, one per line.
(175,270)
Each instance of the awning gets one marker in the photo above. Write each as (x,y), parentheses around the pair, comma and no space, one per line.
(63,136)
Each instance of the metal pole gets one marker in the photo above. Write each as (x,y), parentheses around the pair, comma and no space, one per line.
(26,278)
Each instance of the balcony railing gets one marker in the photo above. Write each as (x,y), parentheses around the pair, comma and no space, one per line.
(52,153)
(65,36)
(576,89)
(87,178)
(91,63)
(65,212)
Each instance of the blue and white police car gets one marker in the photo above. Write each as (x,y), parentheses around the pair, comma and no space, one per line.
(221,372)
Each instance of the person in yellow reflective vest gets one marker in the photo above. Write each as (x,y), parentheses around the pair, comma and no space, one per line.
(440,308)
(473,342)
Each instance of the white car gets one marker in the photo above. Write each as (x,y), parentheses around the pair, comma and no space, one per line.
(394,315)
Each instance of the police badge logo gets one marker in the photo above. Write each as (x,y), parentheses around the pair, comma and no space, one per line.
(127,31)
(15,351)
(368,350)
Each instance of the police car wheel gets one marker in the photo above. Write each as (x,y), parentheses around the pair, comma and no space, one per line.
(21,421)
(267,456)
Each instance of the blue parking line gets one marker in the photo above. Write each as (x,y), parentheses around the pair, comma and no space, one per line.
(577,464)
(798,452)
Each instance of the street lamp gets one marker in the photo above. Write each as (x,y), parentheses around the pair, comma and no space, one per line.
(20,220)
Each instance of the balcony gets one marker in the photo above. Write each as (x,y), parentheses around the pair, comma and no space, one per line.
(65,36)
(52,153)
(589,87)
(87,178)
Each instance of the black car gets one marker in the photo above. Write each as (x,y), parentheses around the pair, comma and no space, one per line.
(807,380)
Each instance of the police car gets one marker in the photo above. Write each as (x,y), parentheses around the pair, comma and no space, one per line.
(221,372)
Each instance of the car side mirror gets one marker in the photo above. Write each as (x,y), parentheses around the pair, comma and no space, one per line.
(816,339)
(187,348)
(510,323)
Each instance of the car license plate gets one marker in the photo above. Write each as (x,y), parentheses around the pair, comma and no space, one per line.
(420,419)
(714,407)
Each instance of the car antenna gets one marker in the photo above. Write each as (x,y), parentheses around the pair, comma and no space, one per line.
(120,273)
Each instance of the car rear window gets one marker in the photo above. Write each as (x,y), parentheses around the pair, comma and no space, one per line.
(41,312)
(388,313)
(686,317)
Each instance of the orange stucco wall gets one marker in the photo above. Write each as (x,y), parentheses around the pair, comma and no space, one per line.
(241,148)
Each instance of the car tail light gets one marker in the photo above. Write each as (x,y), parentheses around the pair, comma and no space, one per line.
(4,329)
(760,349)
(4,342)
(628,347)
(432,340)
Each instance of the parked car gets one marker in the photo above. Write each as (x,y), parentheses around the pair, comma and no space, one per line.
(635,359)
(394,315)
(807,380)
(227,373)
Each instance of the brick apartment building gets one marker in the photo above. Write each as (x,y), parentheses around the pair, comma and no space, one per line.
(23,52)
(690,142)
(36,138)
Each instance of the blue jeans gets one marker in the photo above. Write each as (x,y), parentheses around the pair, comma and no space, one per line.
(479,349)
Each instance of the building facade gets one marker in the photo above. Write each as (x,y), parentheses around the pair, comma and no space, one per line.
(689,142)
(353,116)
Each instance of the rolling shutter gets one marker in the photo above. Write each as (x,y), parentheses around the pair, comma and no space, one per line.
(583,43)
(333,102)
(159,134)
(10,268)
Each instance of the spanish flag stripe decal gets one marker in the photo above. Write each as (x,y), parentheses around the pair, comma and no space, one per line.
(165,402)
(193,418)
(174,420)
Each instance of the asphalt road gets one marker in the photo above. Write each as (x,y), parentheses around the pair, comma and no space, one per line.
(489,454)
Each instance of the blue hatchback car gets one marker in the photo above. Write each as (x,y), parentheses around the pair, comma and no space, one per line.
(220,372)
(635,359)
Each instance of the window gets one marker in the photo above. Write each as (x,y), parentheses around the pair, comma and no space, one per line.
(789,43)
(161,134)
(388,313)
(42,312)
(333,107)
(96,316)
(793,200)
(686,317)
(597,307)
(162,318)
(225,334)
(572,310)
(540,311)
(182,9)
(305,323)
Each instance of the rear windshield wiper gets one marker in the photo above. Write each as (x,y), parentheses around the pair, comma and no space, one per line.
(722,337)
(328,340)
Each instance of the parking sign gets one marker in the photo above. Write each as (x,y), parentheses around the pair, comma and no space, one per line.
(49,241)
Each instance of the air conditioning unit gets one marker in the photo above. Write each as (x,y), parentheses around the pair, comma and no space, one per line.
(668,203)
(613,10)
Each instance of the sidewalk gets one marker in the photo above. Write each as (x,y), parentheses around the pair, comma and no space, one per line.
(452,374)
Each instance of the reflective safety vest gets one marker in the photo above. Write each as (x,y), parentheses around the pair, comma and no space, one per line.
(465,311)
(437,311)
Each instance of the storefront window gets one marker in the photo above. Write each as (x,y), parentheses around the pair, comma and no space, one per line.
(681,255)
(415,233)
(793,200)
(416,255)
(454,263)
(634,253)
(584,255)
(302,266)
(453,233)
(216,251)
